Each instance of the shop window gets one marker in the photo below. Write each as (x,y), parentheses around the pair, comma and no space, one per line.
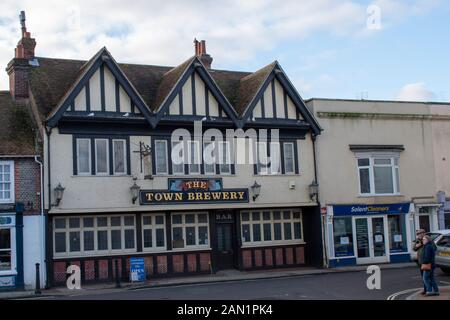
(190,230)
(378,175)
(271,227)
(6,181)
(78,236)
(343,237)
(397,233)
(447,219)
(5,249)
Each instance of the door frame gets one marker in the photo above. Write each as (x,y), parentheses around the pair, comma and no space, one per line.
(371,258)
(234,243)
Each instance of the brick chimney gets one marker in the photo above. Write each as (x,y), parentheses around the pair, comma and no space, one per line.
(19,66)
(200,52)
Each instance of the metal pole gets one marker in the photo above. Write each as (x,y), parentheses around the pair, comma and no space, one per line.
(38,280)
(116,267)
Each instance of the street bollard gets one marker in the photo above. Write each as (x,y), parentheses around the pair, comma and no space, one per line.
(116,267)
(37,290)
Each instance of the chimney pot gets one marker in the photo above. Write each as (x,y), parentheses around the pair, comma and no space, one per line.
(200,52)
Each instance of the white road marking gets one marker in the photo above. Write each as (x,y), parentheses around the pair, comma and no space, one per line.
(396,294)
(446,282)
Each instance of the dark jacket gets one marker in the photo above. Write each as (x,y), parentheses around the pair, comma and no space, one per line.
(429,252)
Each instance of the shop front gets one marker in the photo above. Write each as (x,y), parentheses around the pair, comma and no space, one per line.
(368,234)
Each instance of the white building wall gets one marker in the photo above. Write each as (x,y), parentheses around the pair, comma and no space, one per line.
(32,250)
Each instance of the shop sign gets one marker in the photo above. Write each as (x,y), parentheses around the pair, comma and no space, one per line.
(182,191)
(224,217)
(137,269)
(357,209)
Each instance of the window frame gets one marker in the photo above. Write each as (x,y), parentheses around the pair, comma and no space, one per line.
(196,151)
(107,157)
(185,225)
(227,157)
(11,181)
(77,142)
(153,226)
(12,235)
(214,164)
(125,162)
(293,158)
(81,229)
(272,221)
(395,171)
(166,155)
(183,156)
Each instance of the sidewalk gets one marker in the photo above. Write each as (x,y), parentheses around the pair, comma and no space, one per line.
(221,276)
(445,295)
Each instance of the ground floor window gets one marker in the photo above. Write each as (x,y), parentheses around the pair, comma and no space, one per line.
(89,235)
(447,219)
(153,232)
(190,230)
(265,227)
(343,237)
(397,233)
(5,249)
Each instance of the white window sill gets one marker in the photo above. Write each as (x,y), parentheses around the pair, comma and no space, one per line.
(8,273)
(190,249)
(248,245)
(101,176)
(380,195)
(9,201)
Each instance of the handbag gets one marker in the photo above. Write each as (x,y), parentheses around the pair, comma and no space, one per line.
(425,266)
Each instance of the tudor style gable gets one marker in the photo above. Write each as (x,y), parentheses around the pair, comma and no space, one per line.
(101,90)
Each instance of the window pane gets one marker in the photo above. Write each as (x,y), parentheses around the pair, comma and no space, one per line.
(286,215)
(177,219)
(266,215)
(275,163)
(256,216)
(60,223)
(277,231)
(263,158)
(74,223)
(276,215)
(297,215)
(159,220)
(209,158)
(203,235)
(288,150)
(129,239)
(177,158)
(119,156)
(297,230)
(397,180)
(102,222)
(88,240)
(246,232)
(147,220)
(60,242)
(202,218)
(115,222)
(224,156)
(267,231)
(397,233)
(256,232)
(190,218)
(177,237)
(382,161)
(84,155)
(101,156)
(160,239)
(116,239)
(88,222)
(244,216)
(74,241)
(364,182)
(343,237)
(383,180)
(161,156)
(363,162)
(190,236)
(194,157)
(128,220)
(102,240)
(287,231)
(5,238)
(147,238)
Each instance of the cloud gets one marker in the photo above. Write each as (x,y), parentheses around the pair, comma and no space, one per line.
(415,92)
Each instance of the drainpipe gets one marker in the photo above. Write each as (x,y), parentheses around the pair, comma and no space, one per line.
(48,132)
(42,224)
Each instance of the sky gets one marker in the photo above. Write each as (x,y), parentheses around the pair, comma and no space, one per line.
(381,49)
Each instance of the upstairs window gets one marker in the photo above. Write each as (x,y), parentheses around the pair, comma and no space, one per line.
(378,175)
(6,181)
(161,156)
(276,158)
(84,156)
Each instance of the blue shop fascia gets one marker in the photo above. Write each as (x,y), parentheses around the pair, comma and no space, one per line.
(368,233)
(11,247)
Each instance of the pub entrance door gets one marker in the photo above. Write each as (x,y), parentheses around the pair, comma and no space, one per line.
(225,243)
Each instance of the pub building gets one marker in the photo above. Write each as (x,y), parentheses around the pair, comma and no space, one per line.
(114,193)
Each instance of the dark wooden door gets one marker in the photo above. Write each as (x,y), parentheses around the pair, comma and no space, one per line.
(225,254)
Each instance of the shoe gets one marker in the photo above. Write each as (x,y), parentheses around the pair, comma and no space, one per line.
(430,294)
(436,293)
(423,293)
